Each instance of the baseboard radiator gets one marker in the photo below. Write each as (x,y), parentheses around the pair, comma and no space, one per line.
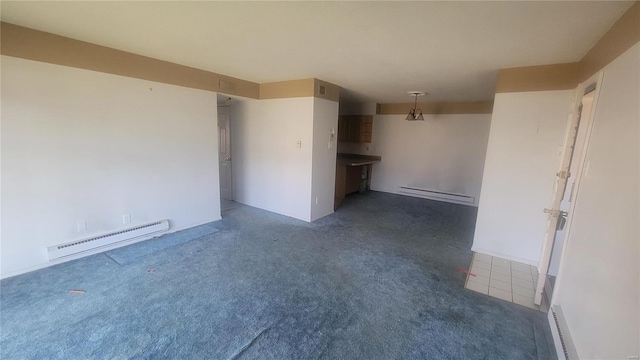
(438,195)
(78,246)
(568,347)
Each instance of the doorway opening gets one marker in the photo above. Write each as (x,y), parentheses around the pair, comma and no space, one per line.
(225,165)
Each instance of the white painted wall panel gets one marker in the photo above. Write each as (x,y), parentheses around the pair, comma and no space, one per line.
(79,145)
(325,119)
(527,131)
(443,153)
(598,286)
(269,170)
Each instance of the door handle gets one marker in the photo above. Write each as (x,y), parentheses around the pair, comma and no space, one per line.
(554,213)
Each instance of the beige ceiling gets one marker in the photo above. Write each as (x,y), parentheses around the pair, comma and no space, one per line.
(376,51)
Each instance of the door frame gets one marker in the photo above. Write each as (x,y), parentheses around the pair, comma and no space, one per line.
(547,245)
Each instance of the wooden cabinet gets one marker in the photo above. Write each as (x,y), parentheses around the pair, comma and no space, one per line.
(355,128)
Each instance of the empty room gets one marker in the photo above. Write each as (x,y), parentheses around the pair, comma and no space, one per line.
(320,180)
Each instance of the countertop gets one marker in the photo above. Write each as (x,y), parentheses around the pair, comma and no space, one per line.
(357,160)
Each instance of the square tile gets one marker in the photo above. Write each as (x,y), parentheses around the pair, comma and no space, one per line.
(520,267)
(500,294)
(524,301)
(521,275)
(474,286)
(522,291)
(479,279)
(481,265)
(480,272)
(500,285)
(482,258)
(501,262)
(500,269)
(527,284)
(501,277)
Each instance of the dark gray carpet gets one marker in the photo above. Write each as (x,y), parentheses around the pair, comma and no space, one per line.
(375,280)
(134,252)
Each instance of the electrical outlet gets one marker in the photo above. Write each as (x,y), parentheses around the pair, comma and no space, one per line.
(317,200)
(82,226)
(126,219)
(330,144)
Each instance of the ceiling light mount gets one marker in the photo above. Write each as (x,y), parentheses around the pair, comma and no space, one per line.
(415,113)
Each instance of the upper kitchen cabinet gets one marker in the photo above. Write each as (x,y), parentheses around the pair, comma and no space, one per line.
(355,128)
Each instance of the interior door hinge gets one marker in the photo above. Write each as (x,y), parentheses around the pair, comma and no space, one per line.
(564,174)
(554,213)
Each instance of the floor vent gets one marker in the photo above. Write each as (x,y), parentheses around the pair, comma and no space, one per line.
(74,247)
(438,195)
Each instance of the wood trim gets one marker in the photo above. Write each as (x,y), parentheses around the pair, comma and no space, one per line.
(25,43)
(287,89)
(439,107)
(538,78)
(624,34)
(300,88)
(331,91)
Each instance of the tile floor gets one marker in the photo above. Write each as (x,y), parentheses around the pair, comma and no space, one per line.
(503,279)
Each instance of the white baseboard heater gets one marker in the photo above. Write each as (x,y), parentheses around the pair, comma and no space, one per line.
(560,331)
(438,195)
(74,247)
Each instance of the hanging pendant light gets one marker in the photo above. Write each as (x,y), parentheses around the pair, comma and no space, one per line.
(415,113)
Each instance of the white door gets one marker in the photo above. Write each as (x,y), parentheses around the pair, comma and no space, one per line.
(224,153)
(569,194)
(560,189)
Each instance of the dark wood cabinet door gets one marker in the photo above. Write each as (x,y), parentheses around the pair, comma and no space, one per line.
(355,128)
(343,128)
(366,128)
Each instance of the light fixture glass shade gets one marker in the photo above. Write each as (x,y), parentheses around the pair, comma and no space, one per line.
(412,115)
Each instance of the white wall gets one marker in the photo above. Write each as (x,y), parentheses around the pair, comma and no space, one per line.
(325,121)
(527,132)
(598,286)
(443,153)
(79,145)
(269,170)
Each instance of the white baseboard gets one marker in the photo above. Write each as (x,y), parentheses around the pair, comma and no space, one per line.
(78,255)
(557,343)
(569,346)
(95,251)
(396,192)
